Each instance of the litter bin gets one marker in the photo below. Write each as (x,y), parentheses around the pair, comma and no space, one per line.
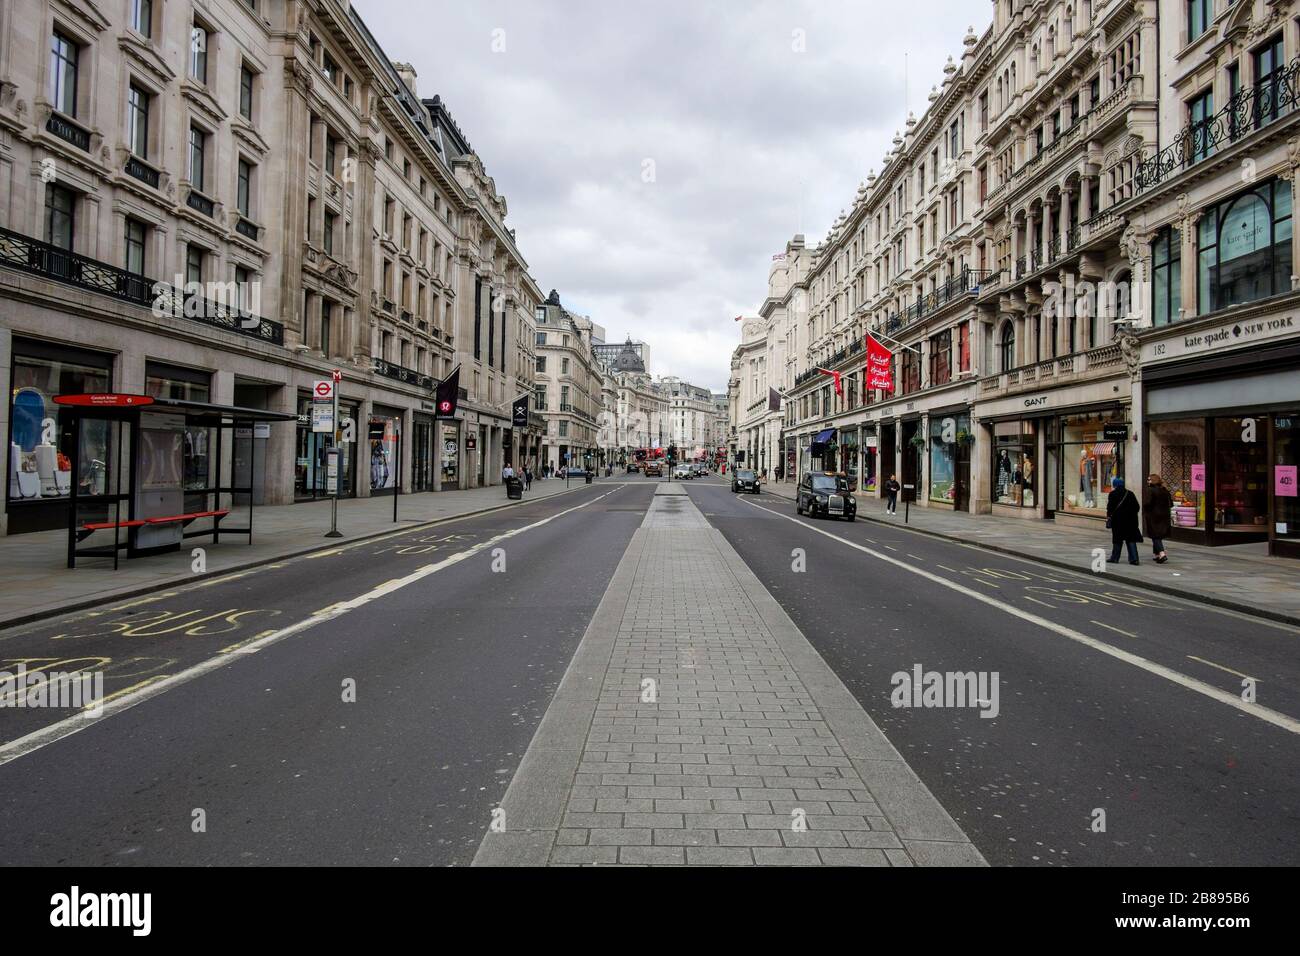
(514,488)
(588,478)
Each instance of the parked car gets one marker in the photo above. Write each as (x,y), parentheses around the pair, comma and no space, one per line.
(744,481)
(683,473)
(653,469)
(826,493)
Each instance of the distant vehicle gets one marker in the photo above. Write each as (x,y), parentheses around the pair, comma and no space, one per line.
(700,469)
(577,471)
(654,469)
(826,493)
(744,480)
(683,473)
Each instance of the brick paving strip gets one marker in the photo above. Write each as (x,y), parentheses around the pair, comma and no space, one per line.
(749,726)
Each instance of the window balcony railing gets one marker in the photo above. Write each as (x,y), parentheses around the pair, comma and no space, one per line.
(246,228)
(404,375)
(69,131)
(200,203)
(1251,109)
(139,169)
(40,258)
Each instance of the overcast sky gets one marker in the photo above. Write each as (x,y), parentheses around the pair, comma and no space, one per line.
(655,155)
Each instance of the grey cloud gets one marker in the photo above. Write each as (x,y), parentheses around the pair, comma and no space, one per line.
(751,141)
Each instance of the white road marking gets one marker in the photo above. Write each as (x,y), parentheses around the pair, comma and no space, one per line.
(71,725)
(1191,683)
(1221,667)
(1109,628)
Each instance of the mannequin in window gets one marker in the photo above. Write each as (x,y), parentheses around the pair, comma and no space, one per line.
(1004,475)
(1087,476)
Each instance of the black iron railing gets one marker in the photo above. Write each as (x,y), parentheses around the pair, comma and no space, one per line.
(1250,109)
(137,168)
(40,258)
(406,376)
(68,131)
(246,229)
(200,203)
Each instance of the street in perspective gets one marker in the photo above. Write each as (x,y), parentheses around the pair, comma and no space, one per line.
(865,440)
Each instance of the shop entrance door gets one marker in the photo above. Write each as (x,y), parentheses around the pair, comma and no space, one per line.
(961,477)
(911,461)
(422,456)
(888,454)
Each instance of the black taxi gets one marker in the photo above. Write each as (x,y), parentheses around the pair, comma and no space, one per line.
(826,493)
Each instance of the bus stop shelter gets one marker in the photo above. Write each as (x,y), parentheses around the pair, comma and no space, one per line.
(148,469)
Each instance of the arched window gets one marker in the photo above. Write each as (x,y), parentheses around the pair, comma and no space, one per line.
(1244,248)
(1007,347)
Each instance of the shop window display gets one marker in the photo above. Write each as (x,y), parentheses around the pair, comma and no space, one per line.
(1015,472)
(384,431)
(1177,455)
(1286,458)
(1088,463)
(946,433)
(39,462)
(1241,474)
(450,457)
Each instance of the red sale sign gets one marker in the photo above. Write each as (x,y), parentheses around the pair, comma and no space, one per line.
(880,373)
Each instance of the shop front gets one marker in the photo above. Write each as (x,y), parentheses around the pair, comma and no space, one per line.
(1224,436)
(450,451)
(424,454)
(40,443)
(383,439)
(849,455)
(1052,454)
(870,444)
(311,449)
(950,445)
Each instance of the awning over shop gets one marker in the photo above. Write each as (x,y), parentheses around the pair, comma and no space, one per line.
(824,436)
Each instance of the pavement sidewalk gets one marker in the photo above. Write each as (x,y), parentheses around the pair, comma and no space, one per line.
(697,726)
(1240,577)
(38,582)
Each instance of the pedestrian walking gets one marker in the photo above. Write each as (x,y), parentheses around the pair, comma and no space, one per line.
(1122,510)
(892,488)
(528,478)
(507,472)
(1157,513)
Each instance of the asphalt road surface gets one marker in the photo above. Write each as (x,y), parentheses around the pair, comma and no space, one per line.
(1184,778)
(370,704)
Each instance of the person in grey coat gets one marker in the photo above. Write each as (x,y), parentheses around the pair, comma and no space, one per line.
(1122,510)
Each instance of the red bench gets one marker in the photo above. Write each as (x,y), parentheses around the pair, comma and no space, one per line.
(86,530)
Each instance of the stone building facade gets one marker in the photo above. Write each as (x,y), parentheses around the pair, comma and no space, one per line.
(227,202)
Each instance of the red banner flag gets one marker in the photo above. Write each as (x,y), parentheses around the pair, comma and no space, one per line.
(839,386)
(880,372)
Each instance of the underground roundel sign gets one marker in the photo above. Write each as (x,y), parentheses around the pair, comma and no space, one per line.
(322,390)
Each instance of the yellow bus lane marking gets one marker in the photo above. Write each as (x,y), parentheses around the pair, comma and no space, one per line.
(58,730)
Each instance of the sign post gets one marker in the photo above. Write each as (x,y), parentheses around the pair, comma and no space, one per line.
(907,503)
(325,399)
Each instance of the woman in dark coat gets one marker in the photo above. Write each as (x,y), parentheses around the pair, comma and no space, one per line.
(1122,511)
(1157,510)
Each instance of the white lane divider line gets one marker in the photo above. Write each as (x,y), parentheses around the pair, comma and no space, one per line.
(1228,670)
(37,739)
(1265,714)
(1109,628)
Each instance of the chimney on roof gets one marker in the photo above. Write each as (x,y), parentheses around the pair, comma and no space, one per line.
(406,73)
